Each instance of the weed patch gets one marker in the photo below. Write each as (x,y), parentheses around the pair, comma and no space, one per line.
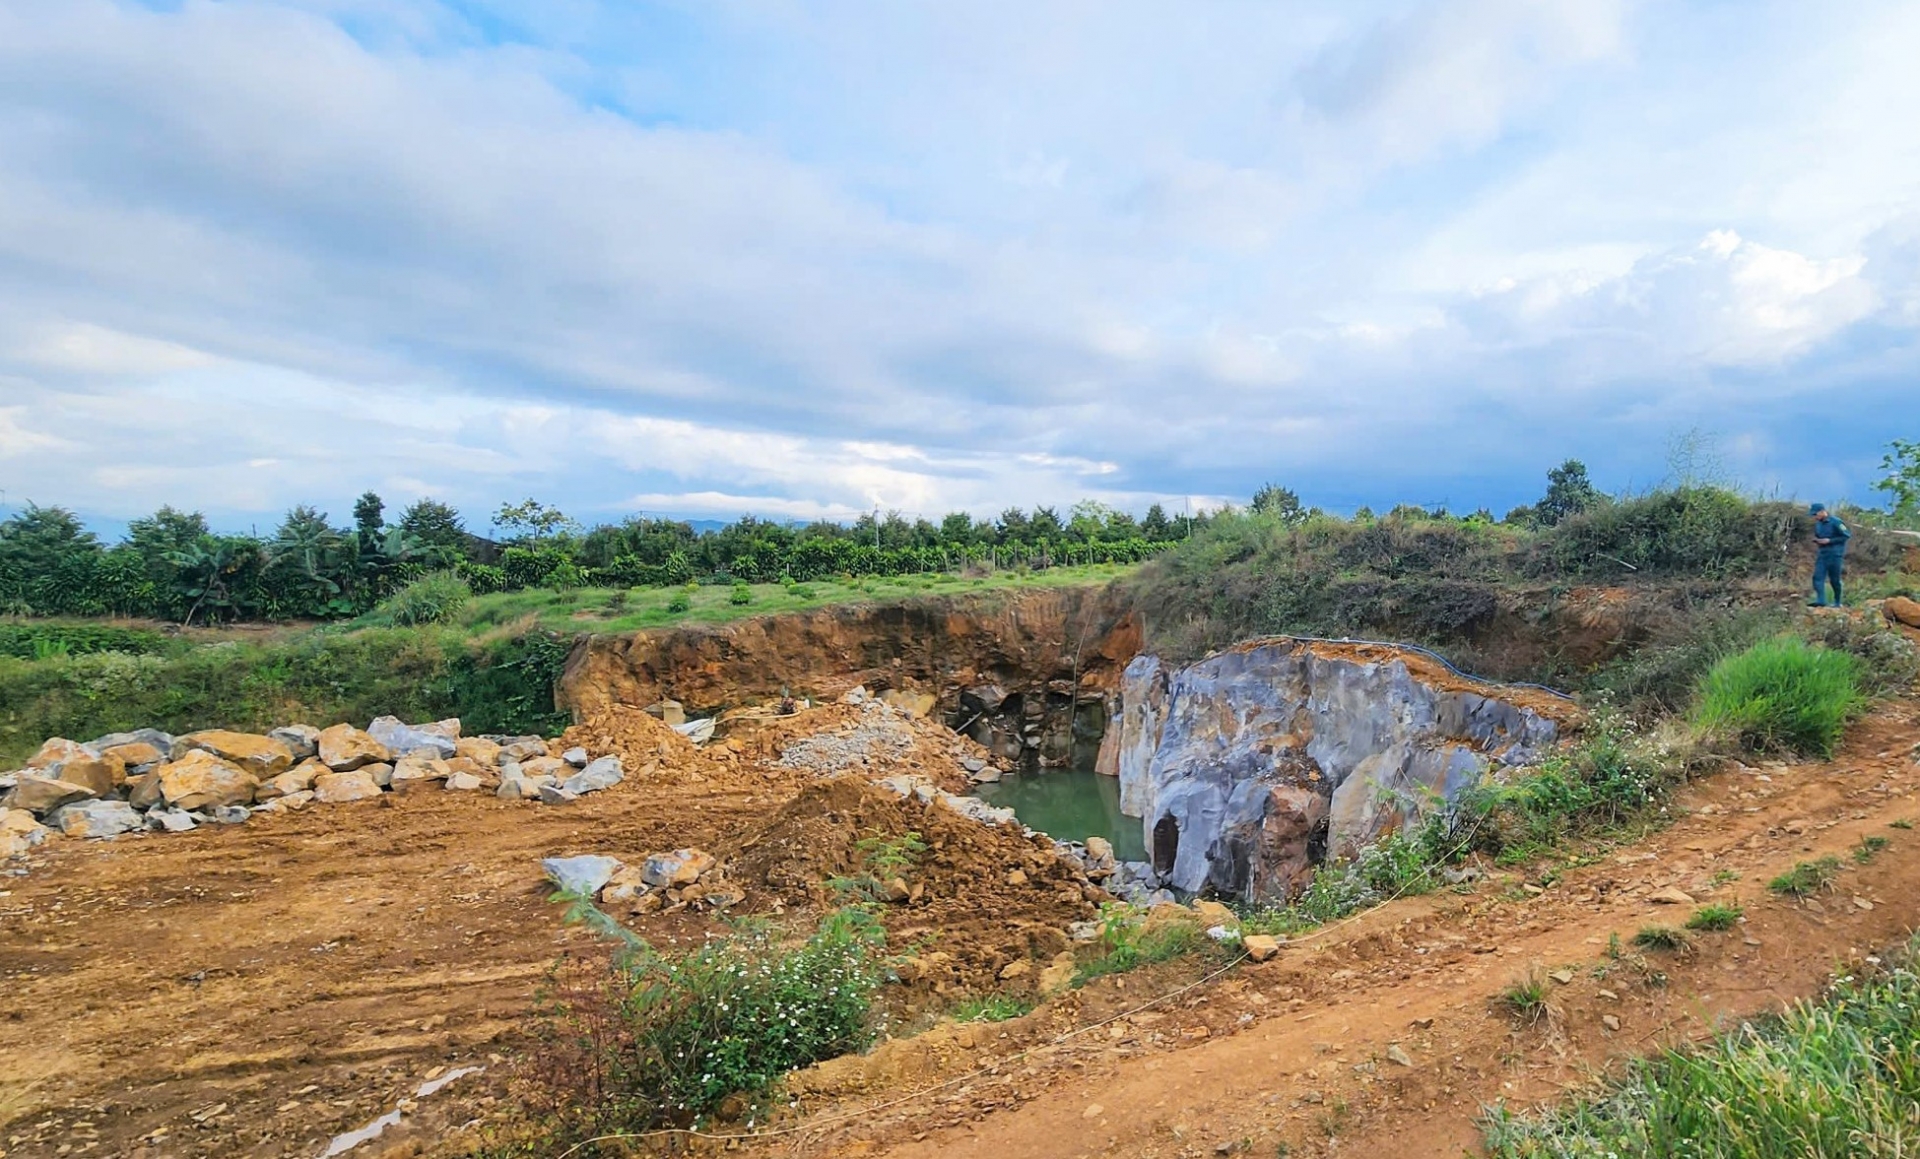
(1131,937)
(1806,878)
(1782,695)
(993,1008)
(1715,917)
(1526,999)
(1663,938)
(1869,848)
(1834,1077)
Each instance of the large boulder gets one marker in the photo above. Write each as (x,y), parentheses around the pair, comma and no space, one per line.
(19,833)
(97,819)
(201,780)
(138,756)
(41,794)
(57,751)
(259,755)
(302,740)
(161,741)
(297,779)
(340,788)
(143,791)
(344,747)
(582,875)
(404,739)
(1252,765)
(418,772)
(100,774)
(477,748)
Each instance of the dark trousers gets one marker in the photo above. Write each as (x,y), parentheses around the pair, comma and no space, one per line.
(1826,570)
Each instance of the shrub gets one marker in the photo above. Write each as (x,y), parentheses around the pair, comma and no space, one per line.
(679,603)
(1715,917)
(1836,1077)
(1128,938)
(741,596)
(1663,938)
(1611,776)
(1782,695)
(431,599)
(659,1039)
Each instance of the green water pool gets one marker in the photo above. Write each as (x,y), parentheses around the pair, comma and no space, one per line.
(1070,805)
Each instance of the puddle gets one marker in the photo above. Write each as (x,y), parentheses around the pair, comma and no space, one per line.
(344,1143)
(1070,805)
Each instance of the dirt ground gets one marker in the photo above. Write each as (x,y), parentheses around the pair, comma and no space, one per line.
(255,990)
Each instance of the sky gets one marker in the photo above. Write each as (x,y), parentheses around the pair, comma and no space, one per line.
(808,259)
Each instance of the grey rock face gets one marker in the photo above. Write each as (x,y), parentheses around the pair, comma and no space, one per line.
(604,773)
(584,875)
(302,740)
(153,736)
(403,739)
(1252,765)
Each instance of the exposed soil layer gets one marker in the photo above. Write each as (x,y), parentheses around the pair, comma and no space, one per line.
(256,989)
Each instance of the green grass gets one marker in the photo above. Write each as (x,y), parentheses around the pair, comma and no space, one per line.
(628,610)
(1782,695)
(1869,848)
(993,1007)
(1806,878)
(1715,917)
(1526,999)
(1129,940)
(1836,1077)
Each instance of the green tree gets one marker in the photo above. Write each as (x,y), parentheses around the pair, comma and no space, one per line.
(47,563)
(1902,481)
(1281,502)
(1569,492)
(312,564)
(1156,527)
(368,518)
(532,520)
(438,526)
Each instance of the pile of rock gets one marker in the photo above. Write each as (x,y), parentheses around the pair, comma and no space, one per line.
(147,779)
(679,879)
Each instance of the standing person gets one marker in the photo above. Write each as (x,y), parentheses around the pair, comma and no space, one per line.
(1830,535)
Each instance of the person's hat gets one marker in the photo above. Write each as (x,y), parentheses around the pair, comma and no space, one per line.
(1816,509)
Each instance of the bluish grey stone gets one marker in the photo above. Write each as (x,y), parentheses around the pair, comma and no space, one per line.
(583,875)
(403,739)
(556,795)
(170,820)
(96,819)
(575,756)
(230,814)
(604,773)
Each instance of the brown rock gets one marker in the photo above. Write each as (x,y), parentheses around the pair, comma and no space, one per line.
(339,788)
(626,885)
(449,728)
(57,751)
(345,747)
(200,779)
(1212,913)
(143,791)
(1902,610)
(1017,877)
(415,772)
(39,794)
(463,782)
(1670,895)
(138,755)
(534,767)
(297,779)
(1260,947)
(1058,975)
(487,772)
(477,748)
(380,771)
(259,755)
(1012,970)
(19,832)
(101,775)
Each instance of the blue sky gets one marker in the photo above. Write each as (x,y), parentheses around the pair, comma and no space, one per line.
(808,259)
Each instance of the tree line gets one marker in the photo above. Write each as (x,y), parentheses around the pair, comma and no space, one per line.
(171,565)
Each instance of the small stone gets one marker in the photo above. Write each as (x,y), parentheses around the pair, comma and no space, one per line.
(1094,1111)
(1017,877)
(575,756)
(1099,850)
(1608,994)
(1564,977)
(1610,1022)
(1260,947)
(290,803)
(1213,913)
(1012,970)
(626,885)
(463,782)
(680,867)
(972,764)
(1396,1055)
(1670,895)
(583,875)
(1862,903)
(230,814)
(19,833)
(555,795)
(170,821)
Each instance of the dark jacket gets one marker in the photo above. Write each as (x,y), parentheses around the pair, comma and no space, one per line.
(1831,528)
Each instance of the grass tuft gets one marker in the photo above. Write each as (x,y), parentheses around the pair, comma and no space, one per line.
(1664,938)
(1868,849)
(1715,917)
(1806,878)
(993,1007)
(1782,695)
(1526,999)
